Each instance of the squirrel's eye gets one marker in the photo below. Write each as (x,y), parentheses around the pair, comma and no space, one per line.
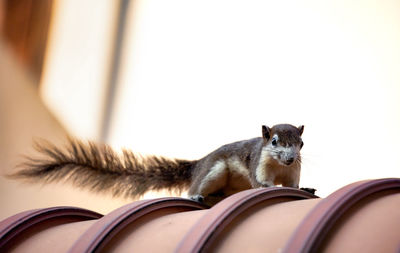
(302,144)
(274,142)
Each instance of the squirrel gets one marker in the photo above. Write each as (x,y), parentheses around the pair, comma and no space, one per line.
(269,160)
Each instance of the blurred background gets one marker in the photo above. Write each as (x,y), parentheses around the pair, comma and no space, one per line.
(180,78)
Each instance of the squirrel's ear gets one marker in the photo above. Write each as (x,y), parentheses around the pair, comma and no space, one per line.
(301,129)
(266,132)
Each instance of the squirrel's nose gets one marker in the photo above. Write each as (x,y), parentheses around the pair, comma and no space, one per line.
(289,160)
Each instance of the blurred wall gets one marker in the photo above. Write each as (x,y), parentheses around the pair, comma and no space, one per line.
(24,118)
(25,28)
(77,63)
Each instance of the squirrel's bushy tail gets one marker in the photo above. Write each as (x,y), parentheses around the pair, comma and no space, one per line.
(98,168)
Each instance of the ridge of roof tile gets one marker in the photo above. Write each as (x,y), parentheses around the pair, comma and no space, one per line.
(315,225)
(200,237)
(14,226)
(101,232)
(311,232)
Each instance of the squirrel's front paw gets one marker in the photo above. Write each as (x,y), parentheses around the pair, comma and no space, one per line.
(310,190)
(198,198)
(267,184)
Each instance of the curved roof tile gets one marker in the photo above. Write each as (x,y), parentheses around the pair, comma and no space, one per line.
(182,225)
(14,226)
(97,236)
(200,238)
(312,231)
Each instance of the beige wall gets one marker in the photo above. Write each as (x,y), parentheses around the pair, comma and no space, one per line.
(24,118)
(77,63)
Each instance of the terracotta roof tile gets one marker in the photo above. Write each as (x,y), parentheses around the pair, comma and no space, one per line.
(312,231)
(97,236)
(16,225)
(201,236)
(258,220)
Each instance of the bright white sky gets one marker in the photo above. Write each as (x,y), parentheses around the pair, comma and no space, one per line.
(197,75)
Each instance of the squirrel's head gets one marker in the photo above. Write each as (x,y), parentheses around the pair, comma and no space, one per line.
(283,142)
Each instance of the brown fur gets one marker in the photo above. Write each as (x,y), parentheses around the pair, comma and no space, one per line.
(217,173)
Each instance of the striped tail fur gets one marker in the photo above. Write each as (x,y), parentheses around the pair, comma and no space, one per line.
(99,168)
